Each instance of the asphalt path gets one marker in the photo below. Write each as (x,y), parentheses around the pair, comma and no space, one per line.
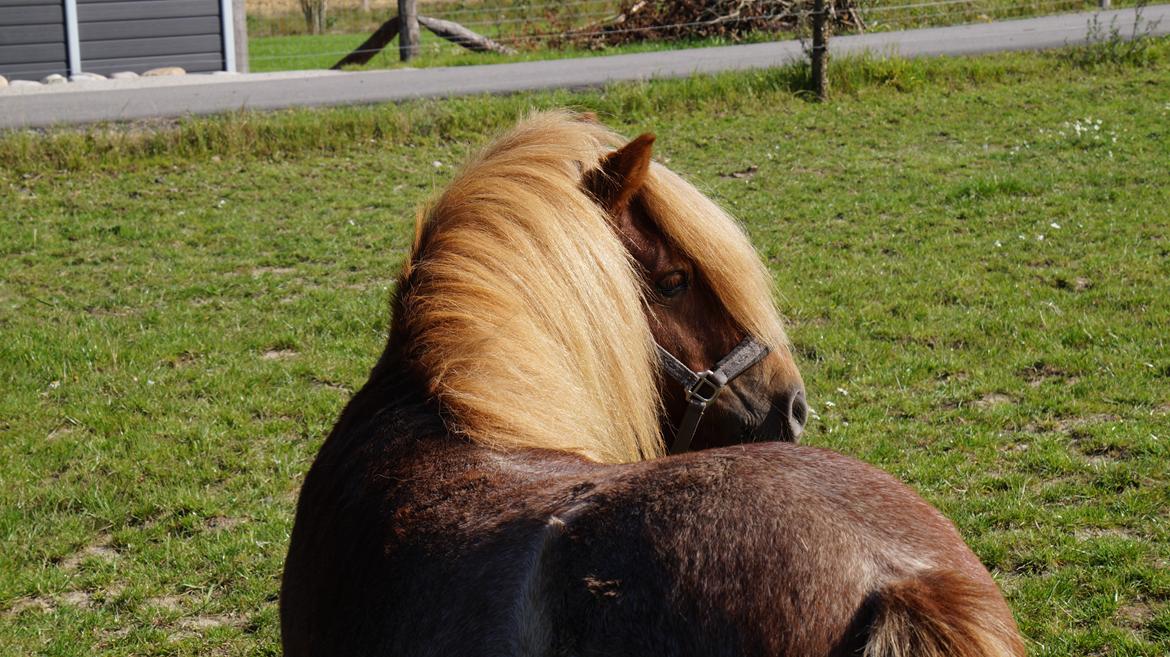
(143,98)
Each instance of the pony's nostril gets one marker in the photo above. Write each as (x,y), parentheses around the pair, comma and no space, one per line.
(799,408)
(797,413)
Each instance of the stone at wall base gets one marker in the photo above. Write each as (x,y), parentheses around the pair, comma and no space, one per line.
(3,82)
(165,70)
(86,77)
(24,83)
(54,78)
(123,75)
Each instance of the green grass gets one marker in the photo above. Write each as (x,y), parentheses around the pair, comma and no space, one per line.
(185,308)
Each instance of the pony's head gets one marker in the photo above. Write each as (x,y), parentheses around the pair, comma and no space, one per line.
(541,278)
(706,291)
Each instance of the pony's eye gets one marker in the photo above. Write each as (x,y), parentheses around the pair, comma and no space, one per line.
(672,284)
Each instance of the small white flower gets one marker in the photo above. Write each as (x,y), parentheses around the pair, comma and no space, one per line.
(54,385)
(437,164)
(998,244)
(1040,238)
(149,382)
(843,391)
(829,403)
(1055,225)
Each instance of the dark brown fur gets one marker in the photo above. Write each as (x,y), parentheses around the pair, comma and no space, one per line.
(410,543)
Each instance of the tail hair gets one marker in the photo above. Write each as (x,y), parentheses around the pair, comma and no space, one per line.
(942,614)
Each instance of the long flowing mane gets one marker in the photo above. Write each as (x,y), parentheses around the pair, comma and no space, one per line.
(523,311)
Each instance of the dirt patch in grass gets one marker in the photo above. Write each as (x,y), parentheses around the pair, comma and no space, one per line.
(220,523)
(60,432)
(1041,373)
(322,383)
(1078,284)
(167,602)
(183,360)
(204,622)
(1104,454)
(993,399)
(279,354)
(1091,533)
(99,549)
(276,271)
(1068,424)
(1136,615)
(80,599)
(36,603)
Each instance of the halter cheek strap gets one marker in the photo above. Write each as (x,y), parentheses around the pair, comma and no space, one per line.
(703,387)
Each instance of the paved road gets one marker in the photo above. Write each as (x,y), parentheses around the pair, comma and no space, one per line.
(115,100)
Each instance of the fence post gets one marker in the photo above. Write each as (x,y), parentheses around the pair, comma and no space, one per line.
(407,30)
(820,48)
(240,34)
(1105,4)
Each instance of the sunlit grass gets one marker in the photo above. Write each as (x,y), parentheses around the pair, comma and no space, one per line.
(973,256)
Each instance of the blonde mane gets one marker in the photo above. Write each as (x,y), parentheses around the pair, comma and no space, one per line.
(718,246)
(523,311)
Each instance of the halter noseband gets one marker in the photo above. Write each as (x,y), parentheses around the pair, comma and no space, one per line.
(703,387)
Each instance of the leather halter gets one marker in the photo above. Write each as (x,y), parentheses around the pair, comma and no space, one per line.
(703,387)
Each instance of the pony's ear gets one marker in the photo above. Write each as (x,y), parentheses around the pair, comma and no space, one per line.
(620,175)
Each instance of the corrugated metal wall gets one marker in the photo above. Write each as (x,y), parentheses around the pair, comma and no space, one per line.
(113,35)
(32,39)
(136,35)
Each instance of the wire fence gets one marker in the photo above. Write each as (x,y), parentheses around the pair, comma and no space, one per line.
(279,38)
(538,28)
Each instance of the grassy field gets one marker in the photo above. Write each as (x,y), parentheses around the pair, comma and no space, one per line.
(279,40)
(974,256)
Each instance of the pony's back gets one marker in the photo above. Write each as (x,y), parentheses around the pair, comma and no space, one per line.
(767,549)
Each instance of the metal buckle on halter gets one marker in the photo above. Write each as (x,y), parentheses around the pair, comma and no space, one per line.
(707,387)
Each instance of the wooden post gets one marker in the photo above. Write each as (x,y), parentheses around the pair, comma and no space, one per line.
(371,46)
(240,32)
(1105,4)
(456,33)
(820,48)
(407,30)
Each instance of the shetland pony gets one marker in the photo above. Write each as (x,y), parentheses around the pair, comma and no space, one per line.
(492,489)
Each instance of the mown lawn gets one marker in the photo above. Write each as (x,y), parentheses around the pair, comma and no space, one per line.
(974,256)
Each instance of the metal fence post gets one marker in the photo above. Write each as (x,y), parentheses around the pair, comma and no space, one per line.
(820,48)
(407,30)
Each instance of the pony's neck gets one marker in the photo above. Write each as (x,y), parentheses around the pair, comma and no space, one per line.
(393,402)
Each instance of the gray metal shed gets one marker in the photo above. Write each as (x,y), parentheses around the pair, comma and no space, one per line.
(39,37)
